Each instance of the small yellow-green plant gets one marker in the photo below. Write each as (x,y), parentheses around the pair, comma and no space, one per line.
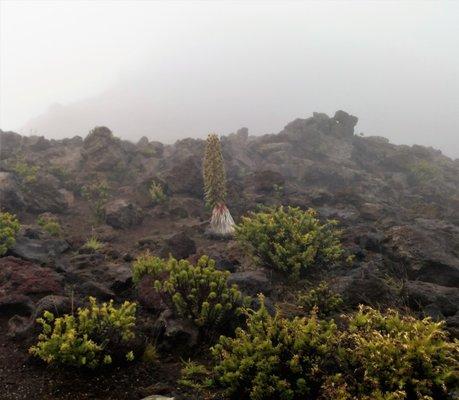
(322,298)
(97,335)
(50,224)
(157,194)
(97,194)
(9,227)
(150,354)
(289,239)
(195,376)
(93,244)
(148,264)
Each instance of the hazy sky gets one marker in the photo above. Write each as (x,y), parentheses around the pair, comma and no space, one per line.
(175,69)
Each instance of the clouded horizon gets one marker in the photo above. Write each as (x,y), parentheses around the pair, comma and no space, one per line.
(169,70)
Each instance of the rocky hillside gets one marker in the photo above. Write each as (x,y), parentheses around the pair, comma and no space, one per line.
(398,207)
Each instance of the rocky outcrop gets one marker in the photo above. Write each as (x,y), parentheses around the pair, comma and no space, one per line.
(42,250)
(22,281)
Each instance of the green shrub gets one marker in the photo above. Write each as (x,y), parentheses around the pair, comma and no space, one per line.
(423,172)
(289,239)
(276,358)
(26,172)
(321,298)
(9,227)
(93,244)
(200,293)
(50,224)
(399,357)
(374,356)
(99,334)
(157,193)
(97,195)
(147,264)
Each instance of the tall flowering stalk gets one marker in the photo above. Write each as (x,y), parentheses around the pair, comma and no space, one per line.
(221,223)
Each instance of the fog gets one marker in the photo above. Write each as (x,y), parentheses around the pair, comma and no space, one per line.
(169,70)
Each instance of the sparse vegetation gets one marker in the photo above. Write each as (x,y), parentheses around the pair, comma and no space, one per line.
(157,193)
(9,227)
(97,195)
(50,224)
(97,335)
(26,171)
(222,223)
(423,172)
(289,239)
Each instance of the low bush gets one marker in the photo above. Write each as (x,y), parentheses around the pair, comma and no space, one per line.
(322,298)
(26,172)
(9,227)
(276,358)
(49,224)
(289,239)
(200,293)
(423,173)
(157,194)
(97,335)
(391,356)
(148,264)
(374,356)
(96,194)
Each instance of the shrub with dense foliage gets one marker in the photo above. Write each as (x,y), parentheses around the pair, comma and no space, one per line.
(9,227)
(201,294)
(289,239)
(97,335)
(322,298)
(198,293)
(374,357)
(50,224)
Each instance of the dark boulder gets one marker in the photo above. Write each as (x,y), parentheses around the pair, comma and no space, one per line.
(20,279)
(176,334)
(11,196)
(43,251)
(251,282)
(179,246)
(186,177)
(122,214)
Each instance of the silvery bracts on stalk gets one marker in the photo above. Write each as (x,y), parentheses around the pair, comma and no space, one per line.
(222,223)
